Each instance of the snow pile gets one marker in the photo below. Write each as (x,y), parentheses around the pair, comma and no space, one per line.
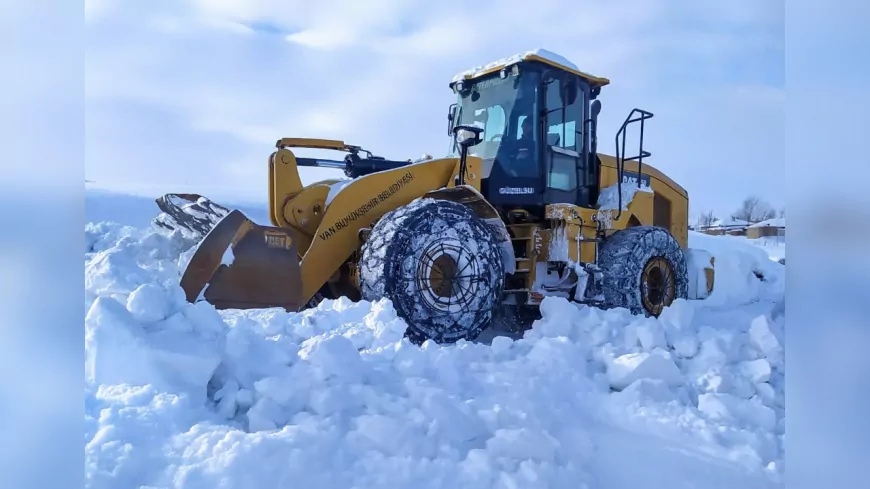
(774,246)
(181,395)
(685,376)
(743,273)
(697,263)
(118,259)
(715,382)
(608,198)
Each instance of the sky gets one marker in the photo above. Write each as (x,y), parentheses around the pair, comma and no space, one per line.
(193,94)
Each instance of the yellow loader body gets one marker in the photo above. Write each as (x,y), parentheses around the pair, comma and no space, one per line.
(319,226)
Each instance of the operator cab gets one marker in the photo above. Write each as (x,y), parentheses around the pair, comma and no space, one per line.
(537,123)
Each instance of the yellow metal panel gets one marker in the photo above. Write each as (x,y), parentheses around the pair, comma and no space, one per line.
(468,196)
(473,172)
(587,244)
(564,212)
(595,80)
(304,213)
(311,143)
(588,233)
(563,237)
(542,244)
(473,175)
(284,182)
(641,208)
(582,228)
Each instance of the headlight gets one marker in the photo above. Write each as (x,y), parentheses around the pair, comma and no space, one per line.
(464,136)
(467,135)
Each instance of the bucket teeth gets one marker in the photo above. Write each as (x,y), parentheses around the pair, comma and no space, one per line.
(193,214)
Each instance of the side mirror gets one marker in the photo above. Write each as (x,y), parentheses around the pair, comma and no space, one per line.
(451,116)
(568,93)
(596,108)
(467,136)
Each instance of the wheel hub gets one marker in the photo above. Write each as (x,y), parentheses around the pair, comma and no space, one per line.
(448,276)
(658,285)
(442,275)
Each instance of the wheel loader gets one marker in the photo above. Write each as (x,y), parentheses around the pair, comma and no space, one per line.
(523,207)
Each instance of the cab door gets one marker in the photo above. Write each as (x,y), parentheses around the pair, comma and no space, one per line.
(565,173)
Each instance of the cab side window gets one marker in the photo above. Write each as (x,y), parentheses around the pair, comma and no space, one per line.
(564,115)
(564,111)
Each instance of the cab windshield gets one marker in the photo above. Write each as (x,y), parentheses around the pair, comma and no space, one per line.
(503,107)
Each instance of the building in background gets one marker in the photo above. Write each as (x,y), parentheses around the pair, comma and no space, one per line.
(730,226)
(769,228)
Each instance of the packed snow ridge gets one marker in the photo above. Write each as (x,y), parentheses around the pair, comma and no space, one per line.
(184,396)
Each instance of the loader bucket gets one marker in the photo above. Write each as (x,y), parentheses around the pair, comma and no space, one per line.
(242,265)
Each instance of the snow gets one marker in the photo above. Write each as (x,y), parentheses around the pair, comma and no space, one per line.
(729,222)
(626,369)
(776,222)
(148,303)
(773,246)
(335,188)
(608,198)
(228,257)
(558,248)
(135,206)
(697,262)
(758,371)
(742,411)
(182,395)
(516,58)
(736,265)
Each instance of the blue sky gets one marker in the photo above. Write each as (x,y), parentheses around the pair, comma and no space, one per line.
(192,94)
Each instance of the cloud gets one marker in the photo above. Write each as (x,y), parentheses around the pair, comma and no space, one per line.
(214,83)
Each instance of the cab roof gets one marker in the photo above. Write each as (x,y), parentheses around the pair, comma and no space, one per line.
(540,55)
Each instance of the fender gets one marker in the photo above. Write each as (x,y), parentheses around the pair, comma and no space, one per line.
(468,195)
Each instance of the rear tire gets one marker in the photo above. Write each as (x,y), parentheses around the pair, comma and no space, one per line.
(440,266)
(644,270)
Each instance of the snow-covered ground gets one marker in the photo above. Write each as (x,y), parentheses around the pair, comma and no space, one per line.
(180,395)
(774,246)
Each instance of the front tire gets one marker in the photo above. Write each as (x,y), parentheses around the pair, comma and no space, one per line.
(440,266)
(644,270)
